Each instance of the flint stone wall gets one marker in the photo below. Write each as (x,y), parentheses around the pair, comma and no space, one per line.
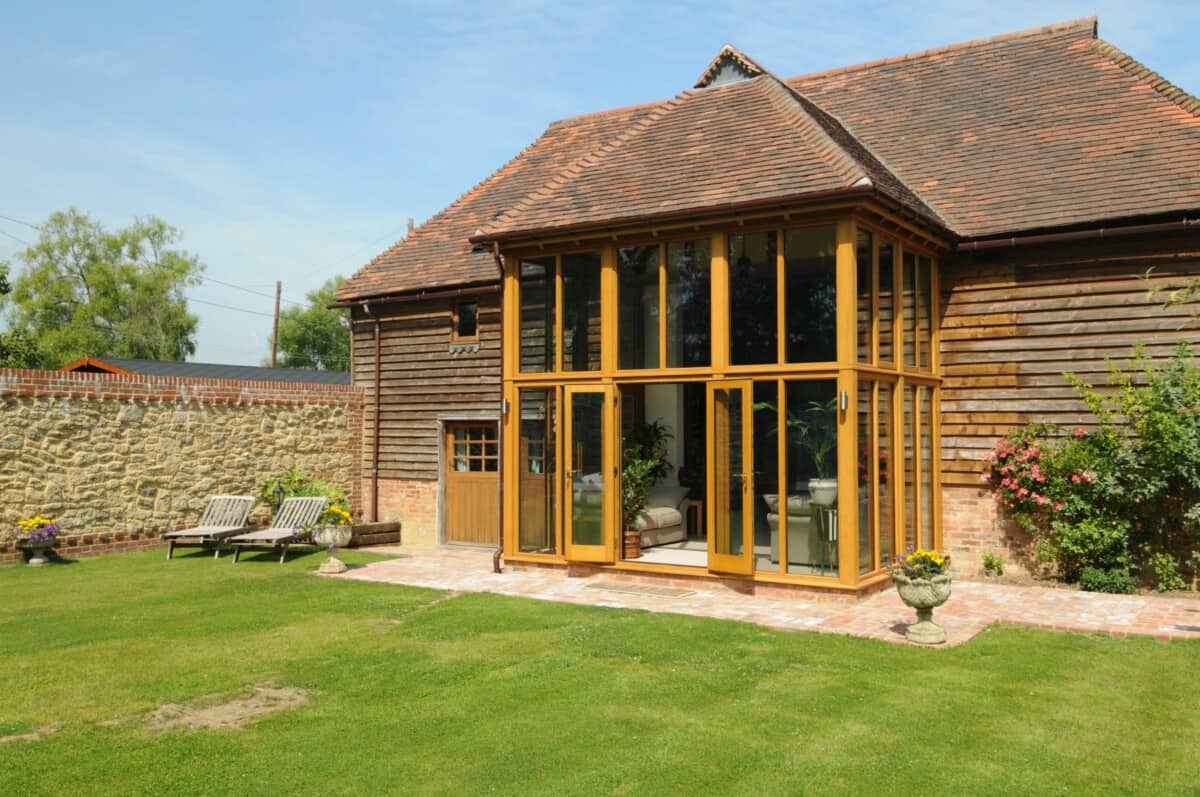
(120,458)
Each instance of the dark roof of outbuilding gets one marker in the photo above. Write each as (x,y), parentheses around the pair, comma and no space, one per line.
(1033,130)
(248,373)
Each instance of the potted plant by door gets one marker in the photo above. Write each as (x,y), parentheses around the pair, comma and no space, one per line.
(923,580)
(644,462)
(35,536)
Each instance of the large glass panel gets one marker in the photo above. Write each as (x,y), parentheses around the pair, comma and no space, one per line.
(868,467)
(766,476)
(925,300)
(637,303)
(581,311)
(689,317)
(887,300)
(587,471)
(728,470)
(865,272)
(811,416)
(537,315)
(537,472)
(753,333)
(925,419)
(887,512)
(910,468)
(909,308)
(810,254)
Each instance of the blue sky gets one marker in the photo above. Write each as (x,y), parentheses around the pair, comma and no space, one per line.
(292,140)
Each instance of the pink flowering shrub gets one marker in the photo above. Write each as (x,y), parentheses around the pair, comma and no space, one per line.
(1064,489)
(1123,494)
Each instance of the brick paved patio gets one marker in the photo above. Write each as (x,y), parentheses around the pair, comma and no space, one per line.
(973,606)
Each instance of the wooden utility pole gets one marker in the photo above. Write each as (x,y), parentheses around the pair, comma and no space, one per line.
(275,332)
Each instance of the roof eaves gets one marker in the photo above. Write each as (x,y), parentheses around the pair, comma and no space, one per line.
(604,226)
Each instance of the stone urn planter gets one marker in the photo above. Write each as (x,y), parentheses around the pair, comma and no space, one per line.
(331,538)
(923,594)
(35,551)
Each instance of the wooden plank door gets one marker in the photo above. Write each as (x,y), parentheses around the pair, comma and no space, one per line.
(472,467)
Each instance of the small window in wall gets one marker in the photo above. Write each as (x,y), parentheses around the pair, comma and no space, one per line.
(476,449)
(466,322)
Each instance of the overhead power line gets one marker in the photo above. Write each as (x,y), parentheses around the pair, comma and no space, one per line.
(228,307)
(216,281)
(15,238)
(29,224)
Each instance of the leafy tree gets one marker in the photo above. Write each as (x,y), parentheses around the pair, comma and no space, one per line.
(314,336)
(85,290)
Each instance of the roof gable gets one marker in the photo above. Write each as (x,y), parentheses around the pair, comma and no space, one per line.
(730,65)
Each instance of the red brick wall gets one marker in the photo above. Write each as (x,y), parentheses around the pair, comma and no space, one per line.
(973,526)
(121,458)
(412,502)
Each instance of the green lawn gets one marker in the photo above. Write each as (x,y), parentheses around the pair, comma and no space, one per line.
(415,693)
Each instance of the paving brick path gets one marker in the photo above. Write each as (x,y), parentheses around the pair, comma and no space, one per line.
(973,606)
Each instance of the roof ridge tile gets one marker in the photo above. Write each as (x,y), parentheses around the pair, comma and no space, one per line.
(1082,24)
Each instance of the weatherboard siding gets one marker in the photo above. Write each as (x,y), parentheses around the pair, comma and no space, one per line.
(1014,320)
(424,378)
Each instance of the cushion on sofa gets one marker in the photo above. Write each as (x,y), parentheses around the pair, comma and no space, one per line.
(658,517)
(666,495)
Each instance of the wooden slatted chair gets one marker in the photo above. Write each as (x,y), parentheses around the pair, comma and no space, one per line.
(225,516)
(294,517)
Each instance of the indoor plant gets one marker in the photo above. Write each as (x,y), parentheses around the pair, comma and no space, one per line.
(923,580)
(814,431)
(35,536)
(331,531)
(644,462)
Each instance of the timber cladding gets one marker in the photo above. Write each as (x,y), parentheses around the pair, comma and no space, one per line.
(425,378)
(1014,320)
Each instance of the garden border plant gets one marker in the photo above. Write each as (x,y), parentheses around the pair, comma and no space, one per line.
(1122,497)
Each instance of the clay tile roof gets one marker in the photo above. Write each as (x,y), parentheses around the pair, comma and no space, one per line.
(439,254)
(1037,129)
(750,142)
(1045,128)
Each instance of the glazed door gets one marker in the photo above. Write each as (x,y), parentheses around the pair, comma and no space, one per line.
(730,478)
(590,490)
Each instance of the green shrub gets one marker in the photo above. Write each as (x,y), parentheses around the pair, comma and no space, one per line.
(993,564)
(1096,580)
(1166,573)
(296,482)
(1099,544)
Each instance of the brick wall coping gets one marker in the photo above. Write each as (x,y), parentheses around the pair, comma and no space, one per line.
(24,383)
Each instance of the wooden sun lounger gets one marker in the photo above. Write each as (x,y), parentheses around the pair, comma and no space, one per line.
(225,516)
(295,515)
